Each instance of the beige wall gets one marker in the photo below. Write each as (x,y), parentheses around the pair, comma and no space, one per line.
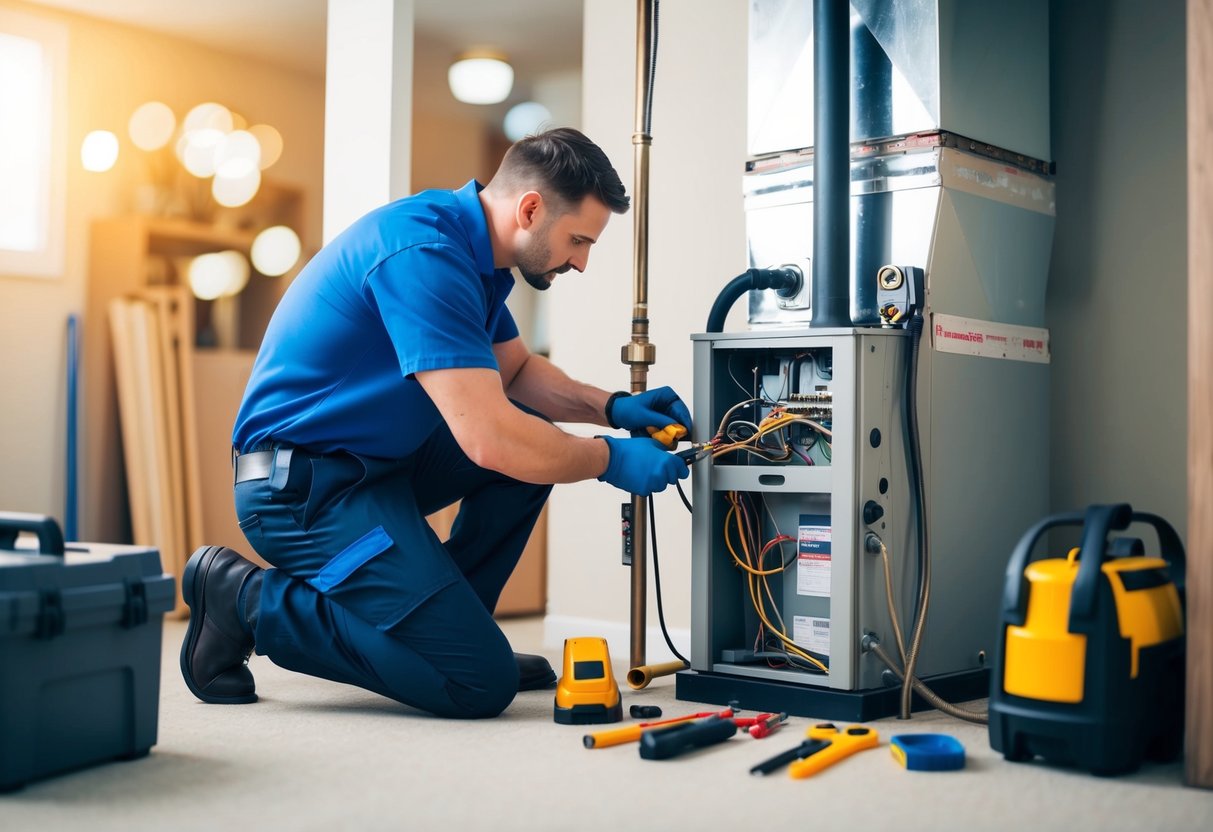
(697,244)
(112,70)
(448,151)
(450,143)
(1117,302)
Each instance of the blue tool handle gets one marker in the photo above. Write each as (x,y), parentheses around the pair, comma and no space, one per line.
(70,513)
(687,736)
(50,538)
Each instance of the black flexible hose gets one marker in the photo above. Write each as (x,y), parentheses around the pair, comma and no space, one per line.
(785,280)
(648,94)
(918,496)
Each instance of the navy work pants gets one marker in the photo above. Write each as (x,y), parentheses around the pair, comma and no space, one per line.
(364,593)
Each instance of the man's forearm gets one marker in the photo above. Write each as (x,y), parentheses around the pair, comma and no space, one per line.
(531,450)
(497,435)
(542,385)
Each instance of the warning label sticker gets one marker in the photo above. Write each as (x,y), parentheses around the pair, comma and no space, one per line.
(812,634)
(813,558)
(970,336)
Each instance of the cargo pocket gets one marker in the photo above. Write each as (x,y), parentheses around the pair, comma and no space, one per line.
(351,558)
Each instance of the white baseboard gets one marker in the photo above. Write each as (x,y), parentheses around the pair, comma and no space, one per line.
(556,628)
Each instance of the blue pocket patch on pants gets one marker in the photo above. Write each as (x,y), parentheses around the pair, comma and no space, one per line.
(375,542)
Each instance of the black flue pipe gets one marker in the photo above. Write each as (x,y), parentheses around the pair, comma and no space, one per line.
(831,163)
(871,118)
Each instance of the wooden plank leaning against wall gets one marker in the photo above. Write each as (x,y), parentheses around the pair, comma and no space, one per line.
(1199,731)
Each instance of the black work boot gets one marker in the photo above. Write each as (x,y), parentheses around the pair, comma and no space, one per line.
(219,640)
(534,672)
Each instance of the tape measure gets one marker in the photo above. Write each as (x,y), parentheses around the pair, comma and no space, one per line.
(927,752)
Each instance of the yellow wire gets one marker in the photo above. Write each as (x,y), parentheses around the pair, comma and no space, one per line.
(778,420)
(725,419)
(741,534)
(755,598)
(791,646)
(766,585)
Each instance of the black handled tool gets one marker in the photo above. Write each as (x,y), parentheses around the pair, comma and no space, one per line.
(686,736)
(695,453)
(806,749)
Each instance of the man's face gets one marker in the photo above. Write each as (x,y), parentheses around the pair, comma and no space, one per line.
(558,243)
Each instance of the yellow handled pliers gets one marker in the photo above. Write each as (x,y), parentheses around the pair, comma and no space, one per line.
(669,435)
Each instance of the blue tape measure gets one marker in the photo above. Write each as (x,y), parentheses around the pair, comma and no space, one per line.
(927,752)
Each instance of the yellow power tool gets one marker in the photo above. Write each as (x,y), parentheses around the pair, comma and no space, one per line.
(587,693)
(1089,663)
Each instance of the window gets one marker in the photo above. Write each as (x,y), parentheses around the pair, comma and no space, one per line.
(33,80)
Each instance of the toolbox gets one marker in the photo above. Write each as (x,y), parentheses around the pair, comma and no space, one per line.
(80,635)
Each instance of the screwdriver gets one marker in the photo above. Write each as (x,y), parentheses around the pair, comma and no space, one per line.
(631,733)
(695,453)
(840,744)
(805,749)
(664,743)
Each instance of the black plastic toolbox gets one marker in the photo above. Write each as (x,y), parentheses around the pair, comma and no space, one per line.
(80,635)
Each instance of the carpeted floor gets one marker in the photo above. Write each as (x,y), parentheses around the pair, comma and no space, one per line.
(312,755)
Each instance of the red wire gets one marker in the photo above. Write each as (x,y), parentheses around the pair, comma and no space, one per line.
(783,538)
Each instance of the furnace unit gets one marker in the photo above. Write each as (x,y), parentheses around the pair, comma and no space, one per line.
(938,169)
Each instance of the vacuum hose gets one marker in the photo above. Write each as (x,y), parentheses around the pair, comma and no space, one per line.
(786,280)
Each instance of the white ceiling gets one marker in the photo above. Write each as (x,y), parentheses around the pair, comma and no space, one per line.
(539,36)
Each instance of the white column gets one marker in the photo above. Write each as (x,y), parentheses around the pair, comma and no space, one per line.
(368,108)
(695,195)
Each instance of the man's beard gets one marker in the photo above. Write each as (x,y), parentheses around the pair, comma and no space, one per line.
(533,261)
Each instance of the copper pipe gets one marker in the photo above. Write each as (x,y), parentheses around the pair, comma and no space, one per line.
(639,677)
(638,354)
(640,572)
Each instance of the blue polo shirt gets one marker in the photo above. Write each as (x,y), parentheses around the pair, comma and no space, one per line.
(409,287)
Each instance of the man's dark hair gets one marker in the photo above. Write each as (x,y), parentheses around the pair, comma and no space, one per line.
(567,165)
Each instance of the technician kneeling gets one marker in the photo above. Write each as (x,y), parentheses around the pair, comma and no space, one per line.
(391,383)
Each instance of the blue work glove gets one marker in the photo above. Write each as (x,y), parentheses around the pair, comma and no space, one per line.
(651,409)
(641,466)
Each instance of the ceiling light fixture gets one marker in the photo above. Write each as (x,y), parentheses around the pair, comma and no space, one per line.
(481,78)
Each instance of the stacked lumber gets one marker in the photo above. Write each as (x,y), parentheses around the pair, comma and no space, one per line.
(152,335)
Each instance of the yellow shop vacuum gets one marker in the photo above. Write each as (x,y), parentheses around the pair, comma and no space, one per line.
(1089,663)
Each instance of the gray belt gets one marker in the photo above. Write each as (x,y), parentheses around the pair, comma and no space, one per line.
(254,466)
